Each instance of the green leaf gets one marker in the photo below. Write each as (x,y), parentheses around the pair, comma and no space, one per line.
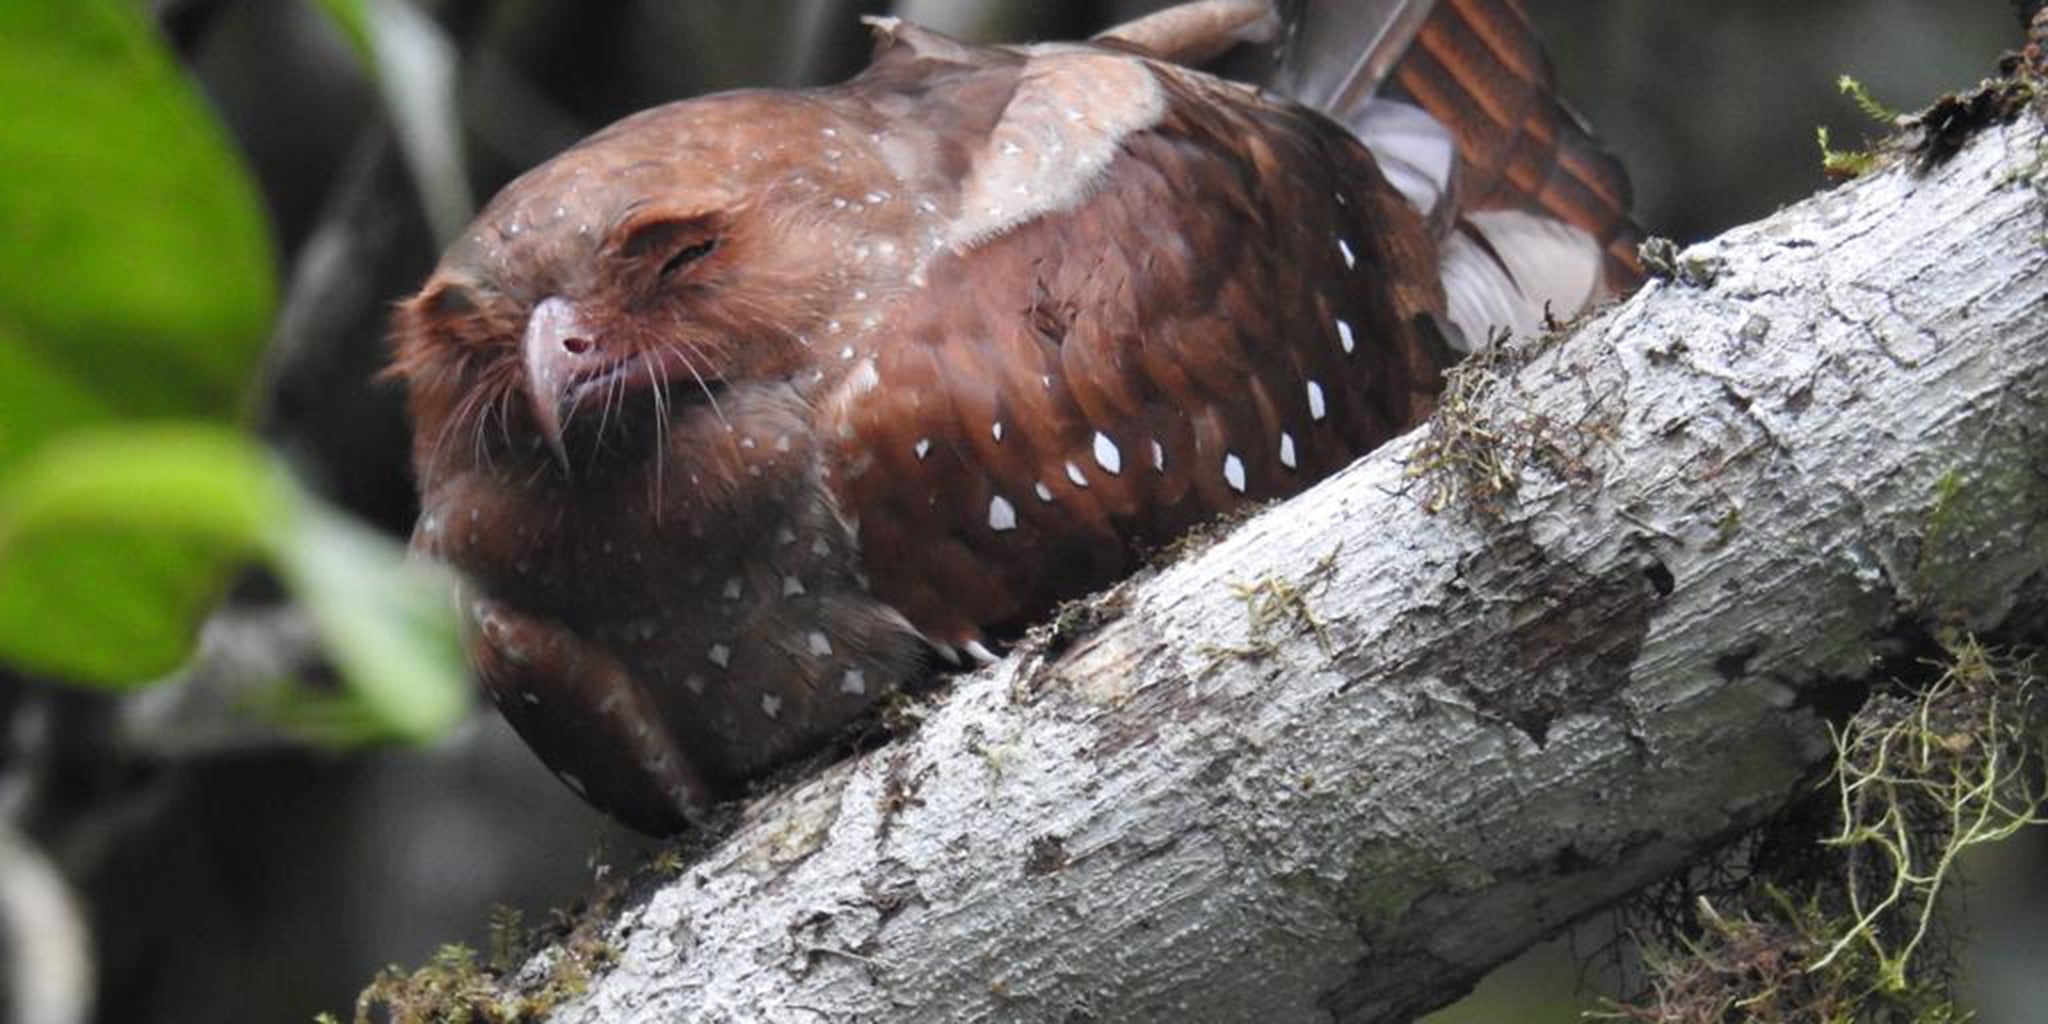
(137,284)
(389,623)
(354,22)
(137,268)
(38,400)
(114,543)
(413,64)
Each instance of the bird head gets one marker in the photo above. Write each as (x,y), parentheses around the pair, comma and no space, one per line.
(622,289)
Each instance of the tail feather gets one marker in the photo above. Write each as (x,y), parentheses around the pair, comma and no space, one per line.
(1533,214)
(1478,67)
(1456,100)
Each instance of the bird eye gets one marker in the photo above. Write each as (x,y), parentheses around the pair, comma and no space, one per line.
(687,255)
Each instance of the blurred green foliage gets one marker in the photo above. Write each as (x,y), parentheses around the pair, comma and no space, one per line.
(413,66)
(137,289)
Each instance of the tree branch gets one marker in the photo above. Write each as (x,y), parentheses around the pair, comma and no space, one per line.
(1342,762)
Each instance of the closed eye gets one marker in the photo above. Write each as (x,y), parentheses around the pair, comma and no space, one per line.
(688,255)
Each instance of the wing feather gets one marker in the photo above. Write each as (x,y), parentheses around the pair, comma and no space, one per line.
(1149,349)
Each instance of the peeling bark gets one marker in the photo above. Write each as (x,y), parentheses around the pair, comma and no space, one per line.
(1441,737)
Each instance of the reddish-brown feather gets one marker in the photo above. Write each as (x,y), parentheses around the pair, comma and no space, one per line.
(1136,316)
(1477,67)
(965,337)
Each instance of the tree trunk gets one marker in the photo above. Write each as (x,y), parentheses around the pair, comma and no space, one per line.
(1338,764)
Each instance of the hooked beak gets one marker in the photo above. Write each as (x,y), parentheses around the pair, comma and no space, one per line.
(560,352)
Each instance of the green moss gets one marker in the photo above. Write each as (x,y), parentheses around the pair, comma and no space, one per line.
(1276,606)
(1483,436)
(1855,163)
(1867,103)
(1843,163)
(455,988)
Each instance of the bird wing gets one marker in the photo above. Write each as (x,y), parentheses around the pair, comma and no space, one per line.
(1458,104)
(1163,297)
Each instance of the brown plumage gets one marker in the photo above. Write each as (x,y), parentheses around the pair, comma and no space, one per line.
(731,412)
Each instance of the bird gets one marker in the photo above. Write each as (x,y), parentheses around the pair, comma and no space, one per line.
(743,412)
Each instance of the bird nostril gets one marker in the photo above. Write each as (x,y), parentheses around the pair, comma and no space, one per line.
(577,346)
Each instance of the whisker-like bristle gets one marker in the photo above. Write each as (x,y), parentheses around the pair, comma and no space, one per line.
(660,376)
(681,351)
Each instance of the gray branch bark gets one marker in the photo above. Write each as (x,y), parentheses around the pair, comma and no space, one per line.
(1340,763)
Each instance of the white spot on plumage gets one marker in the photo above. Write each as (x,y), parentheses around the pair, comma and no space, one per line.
(1345,338)
(820,644)
(854,681)
(1074,474)
(695,683)
(1106,454)
(1002,515)
(785,535)
(792,587)
(1350,259)
(531,697)
(771,705)
(996,429)
(1316,408)
(846,353)
(720,655)
(821,548)
(1287,450)
(732,589)
(1233,471)
(923,448)
(1158,455)
(1044,493)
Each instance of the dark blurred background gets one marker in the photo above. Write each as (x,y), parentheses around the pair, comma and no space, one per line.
(232,881)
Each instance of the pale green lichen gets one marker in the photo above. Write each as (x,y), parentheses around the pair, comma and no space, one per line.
(1921,777)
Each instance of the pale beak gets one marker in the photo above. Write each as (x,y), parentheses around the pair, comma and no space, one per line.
(560,351)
